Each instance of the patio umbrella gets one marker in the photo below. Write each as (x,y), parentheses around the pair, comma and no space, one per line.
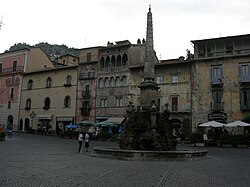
(105,124)
(211,124)
(85,123)
(71,126)
(237,124)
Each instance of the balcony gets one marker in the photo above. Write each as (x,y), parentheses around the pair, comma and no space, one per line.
(88,75)
(12,82)
(86,94)
(216,81)
(11,69)
(217,107)
(67,84)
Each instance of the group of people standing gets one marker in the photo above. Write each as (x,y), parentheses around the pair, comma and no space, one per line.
(86,140)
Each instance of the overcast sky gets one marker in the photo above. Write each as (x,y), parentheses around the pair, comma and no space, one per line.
(89,23)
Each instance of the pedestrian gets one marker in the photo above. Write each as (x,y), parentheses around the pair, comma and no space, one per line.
(80,139)
(86,142)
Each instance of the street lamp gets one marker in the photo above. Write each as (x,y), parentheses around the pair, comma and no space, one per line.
(32,116)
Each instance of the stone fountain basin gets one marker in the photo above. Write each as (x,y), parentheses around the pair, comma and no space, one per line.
(116,153)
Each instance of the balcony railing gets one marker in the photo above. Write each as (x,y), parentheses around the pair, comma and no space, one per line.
(12,82)
(11,70)
(86,93)
(216,81)
(88,75)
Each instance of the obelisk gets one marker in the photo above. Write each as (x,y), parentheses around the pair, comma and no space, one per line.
(149,87)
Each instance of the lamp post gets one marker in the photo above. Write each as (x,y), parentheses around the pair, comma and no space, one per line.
(32,116)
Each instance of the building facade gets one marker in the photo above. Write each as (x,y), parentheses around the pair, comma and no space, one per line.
(220,80)
(48,101)
(12,65)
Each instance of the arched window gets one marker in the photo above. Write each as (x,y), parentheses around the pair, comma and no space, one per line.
(118,60)
(117,81)
(102,62)
(112,82)
(10,120)
(46,103)
(48,82)
(30,84)
(107,62)
(124,81)
(101,83)
(106,82)
(67,102)
(68,80)
(125,60)
(28,104)
(113,61)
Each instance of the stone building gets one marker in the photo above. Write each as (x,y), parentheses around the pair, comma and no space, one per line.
(48,99)
(86,92)
(220,79)
(12,65)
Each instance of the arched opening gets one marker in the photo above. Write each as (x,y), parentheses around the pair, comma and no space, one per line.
(124,81)
(30,84)
(118,60)
(10,122)
(107,62)
(106,82)
(125,60)
(102,62)
(101,83)
(26,124)
(112,61)
(21,125)
(117,81)
(48,82)
(67,102)
(46,103)
(112,82)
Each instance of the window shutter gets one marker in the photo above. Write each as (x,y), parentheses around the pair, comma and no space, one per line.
(239,72)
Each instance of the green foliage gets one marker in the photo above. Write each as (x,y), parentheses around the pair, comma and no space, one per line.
(2,135)
(48,49)
(196,138)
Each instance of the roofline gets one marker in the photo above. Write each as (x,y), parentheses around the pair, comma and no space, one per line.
(50,69)
(220,38)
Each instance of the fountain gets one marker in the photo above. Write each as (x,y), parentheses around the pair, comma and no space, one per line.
(148,132)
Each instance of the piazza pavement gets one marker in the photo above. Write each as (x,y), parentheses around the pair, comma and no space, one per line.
(36,160)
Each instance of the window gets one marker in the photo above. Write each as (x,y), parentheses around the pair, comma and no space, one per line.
(86,107)
(1,67)
(48,82)
(9,104)
(68,81)
(67,102)
(244,72)
(103,102)
(174,104)
(125,60)
(216,74)
(175,79)
(86,91)
(159,79)
(102,62)
(28,104)
(101,83)
(88,57)
(118,101)
(124,81)
(30,85)
(106,82)
(245,99)
(217,100)
(117,81)
(14,67)
(112,82)
(46,103)
(12,93)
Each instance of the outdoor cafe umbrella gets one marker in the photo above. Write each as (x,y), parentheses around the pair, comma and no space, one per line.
(85,123)
(105,124)
(71,126)
(211,124)
(237,124)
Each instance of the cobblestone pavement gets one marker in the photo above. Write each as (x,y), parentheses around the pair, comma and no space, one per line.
(35,160)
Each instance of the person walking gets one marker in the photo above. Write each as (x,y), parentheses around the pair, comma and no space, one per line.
(80,139)
(86,142)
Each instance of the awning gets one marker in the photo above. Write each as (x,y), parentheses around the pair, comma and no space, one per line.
(44,117)
(116,120)
(64,118)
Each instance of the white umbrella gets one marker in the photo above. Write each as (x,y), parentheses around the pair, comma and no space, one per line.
(237,124)
(211,124)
